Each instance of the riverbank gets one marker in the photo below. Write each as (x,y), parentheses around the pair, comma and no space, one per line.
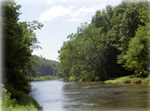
(42,78)
(25,103)
(128,80)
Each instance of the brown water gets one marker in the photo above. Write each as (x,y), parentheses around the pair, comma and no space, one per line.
(56,95)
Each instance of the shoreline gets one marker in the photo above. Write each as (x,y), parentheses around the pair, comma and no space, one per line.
(128,80)
(131,79)
(42,78)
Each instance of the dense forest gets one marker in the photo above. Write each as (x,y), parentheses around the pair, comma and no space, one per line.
(114,44)
(44,67)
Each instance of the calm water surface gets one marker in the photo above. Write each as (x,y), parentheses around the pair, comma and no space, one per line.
(56,95)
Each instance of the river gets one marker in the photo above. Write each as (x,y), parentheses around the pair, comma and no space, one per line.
(57,95)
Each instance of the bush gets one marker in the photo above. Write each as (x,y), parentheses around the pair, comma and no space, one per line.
(26,103)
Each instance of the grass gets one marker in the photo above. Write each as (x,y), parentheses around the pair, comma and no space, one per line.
(27,104)
(42,78)
(129,80)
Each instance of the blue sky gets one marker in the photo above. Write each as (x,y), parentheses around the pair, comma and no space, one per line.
(60,18)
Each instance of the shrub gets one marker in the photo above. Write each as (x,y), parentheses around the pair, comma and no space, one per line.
(26,103)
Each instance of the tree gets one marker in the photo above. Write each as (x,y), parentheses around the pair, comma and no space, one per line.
(42,66)
(136,58)
(101,50)
(19,42)
(83,54)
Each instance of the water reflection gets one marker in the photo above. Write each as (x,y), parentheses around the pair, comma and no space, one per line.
(101,97)
(65,96)
(48,94)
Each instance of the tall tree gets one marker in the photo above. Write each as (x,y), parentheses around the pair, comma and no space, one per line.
(20,39)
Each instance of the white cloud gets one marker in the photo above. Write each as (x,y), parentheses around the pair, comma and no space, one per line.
(82,12)
(75,20)
(54,1)
(68,1)
(31,1)
(80,1)
(55,12)
(75,14)
(50,1)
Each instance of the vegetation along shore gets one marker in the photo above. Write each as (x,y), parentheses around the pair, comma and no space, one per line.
(113,48)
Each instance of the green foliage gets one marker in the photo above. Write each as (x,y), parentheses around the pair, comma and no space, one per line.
(136,57)
(43,67)
(19,42)
(106,48)
(81,54)
(42,78)
(129,80)
(134,18)
(9,104)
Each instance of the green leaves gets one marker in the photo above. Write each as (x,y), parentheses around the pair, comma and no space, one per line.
(136,58)
(20,39)
(43,67)
(114,44)
(81,56)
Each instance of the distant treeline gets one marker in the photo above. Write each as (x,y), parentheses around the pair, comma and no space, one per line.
(44,67)
(114,44)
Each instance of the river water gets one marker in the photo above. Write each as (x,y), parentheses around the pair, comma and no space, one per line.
(57,95)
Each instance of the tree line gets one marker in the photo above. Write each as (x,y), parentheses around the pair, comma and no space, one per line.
(43,67)
(114,44)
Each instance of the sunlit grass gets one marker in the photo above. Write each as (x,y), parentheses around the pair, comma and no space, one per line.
(8,104)
(129,80)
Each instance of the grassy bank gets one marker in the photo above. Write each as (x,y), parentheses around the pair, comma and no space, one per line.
(25,103)
(129,80)
(42,78)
